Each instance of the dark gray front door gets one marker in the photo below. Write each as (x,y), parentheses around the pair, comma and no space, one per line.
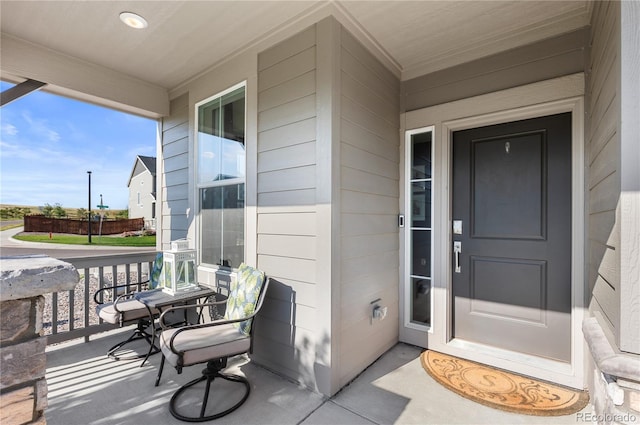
(512,236)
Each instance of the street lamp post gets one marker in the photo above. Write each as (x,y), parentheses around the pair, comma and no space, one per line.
(89,221)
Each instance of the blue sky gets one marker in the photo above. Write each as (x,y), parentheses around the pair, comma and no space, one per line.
(49,142)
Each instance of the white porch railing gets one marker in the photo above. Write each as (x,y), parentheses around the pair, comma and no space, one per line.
(70,315)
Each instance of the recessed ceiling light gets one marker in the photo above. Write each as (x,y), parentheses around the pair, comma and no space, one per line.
(133,20)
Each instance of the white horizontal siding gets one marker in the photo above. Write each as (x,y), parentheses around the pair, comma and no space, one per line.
(355,224)
(176,163)
(288,48)
(175,193)
(292,246)
(288,69)
(287,179)
(368,267)
(175,178)
(298,269)
(355,113)
(174,185)
(286,189)
(603,149)
(365,203)
(543,60)
(296,88)
(287,157)
(176,147)
(290,198)
(288,135)
(360,159)
(369,199)
(296,110)
(386,78)
(293,291)
(366,182)
(287,223)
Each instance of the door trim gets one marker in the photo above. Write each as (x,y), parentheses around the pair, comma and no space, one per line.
(564,94)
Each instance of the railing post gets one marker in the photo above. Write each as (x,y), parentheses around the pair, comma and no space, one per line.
(87,298)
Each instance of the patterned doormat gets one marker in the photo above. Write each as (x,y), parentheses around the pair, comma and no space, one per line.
(500,389)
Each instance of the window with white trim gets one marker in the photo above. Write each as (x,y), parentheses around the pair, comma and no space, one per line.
(419,241)
(220,122)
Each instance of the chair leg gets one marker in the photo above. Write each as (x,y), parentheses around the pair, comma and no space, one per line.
(139,333)
(209,374)
(160,371)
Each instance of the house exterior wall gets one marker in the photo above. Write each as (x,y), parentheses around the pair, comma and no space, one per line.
(603,150)
(287,212)
(328,171)
(141,183)
(613,210)
(368,185)
(613,160)
(281,218)
(550,58)
(322,179)
(174,156)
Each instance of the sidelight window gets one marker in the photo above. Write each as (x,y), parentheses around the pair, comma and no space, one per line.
(419,258)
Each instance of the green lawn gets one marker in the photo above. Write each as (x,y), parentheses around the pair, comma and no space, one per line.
(95,240)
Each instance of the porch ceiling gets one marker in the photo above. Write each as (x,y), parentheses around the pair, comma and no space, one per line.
(185,38)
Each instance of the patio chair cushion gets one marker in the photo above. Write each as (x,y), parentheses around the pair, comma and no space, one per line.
(156,272)
(130,309)
(243,296)
(202,344)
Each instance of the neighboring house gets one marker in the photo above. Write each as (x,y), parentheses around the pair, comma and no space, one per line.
(471,166)
(142,190)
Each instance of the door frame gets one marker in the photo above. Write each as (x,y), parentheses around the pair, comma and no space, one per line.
(564,94)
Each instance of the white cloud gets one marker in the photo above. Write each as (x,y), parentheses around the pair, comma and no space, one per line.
(9,129)
(47,148)
(41,127)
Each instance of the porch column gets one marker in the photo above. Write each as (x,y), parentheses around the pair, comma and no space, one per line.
(23,282)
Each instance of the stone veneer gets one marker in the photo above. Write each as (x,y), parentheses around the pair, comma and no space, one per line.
(23,281)
(615,386)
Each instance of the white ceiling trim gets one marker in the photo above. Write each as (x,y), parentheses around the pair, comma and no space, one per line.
(362,35)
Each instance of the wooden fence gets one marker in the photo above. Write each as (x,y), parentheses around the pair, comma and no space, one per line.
(40,223)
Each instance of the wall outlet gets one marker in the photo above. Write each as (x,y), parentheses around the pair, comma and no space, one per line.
(379,312)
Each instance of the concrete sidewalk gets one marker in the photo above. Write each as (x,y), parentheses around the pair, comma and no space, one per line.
(85,387)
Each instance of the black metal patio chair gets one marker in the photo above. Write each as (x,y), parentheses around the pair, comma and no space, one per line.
(214,343)
(124,310)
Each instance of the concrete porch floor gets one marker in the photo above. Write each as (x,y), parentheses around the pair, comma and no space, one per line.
(86,387)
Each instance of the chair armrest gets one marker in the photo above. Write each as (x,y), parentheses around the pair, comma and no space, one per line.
(219,322)
(115,288)
(186,307)
(122,297)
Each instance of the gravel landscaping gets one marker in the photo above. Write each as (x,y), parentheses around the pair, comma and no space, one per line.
(78,302)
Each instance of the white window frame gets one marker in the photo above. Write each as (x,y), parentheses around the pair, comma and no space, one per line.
(408,323)
(228,182)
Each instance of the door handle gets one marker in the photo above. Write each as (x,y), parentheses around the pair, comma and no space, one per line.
(457,249)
